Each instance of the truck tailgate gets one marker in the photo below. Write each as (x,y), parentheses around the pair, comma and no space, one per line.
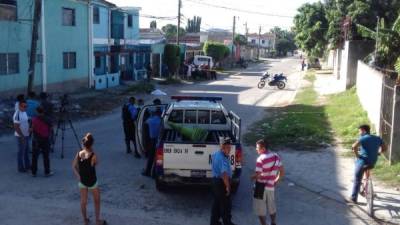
(191,156)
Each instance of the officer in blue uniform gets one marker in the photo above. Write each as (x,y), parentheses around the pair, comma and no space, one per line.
(129,115)
(222,174)
(154,126)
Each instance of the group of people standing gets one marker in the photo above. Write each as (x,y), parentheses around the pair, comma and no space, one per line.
(268,172)
(151,129)
(33,121)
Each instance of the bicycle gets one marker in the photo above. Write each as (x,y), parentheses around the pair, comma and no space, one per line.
(367,190)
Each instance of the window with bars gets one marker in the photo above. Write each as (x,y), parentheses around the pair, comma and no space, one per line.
(8,10)
(68,17)
(96,15)
(69,60)
(130,20)
(9,63)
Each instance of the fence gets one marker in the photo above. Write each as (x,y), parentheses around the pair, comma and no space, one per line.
(390,118)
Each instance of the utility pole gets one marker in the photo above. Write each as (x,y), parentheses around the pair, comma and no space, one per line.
(179,21)
(35,33)
(233,38)
(259,41)
(246,30)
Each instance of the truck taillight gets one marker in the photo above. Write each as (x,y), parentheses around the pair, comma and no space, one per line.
(239,156)
(160,156)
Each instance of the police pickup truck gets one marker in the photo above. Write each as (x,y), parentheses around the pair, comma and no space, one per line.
(181,161)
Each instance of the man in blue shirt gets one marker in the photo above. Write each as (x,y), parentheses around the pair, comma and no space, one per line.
(366,150)
(32,105)
(129,116)
(221,186)
(154,126)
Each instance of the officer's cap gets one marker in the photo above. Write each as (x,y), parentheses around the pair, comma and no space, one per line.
(225,140)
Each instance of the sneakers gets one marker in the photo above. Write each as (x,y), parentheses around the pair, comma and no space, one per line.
(137,155)
(351,200)
(51,173)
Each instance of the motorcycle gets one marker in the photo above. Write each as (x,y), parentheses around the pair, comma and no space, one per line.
(278,80)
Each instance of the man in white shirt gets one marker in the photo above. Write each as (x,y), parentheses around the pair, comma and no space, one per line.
(22,132)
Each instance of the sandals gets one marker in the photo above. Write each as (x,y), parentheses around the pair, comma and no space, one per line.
(101,222)
(86,221)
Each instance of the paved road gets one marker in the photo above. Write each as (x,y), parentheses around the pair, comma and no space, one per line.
(128,198)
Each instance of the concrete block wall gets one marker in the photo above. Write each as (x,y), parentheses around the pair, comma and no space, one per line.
(369,91)
(353,51)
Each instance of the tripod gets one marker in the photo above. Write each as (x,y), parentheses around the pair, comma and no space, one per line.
(61,124)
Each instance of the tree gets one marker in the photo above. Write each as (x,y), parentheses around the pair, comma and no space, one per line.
(283,46)
(310,28)
(240,40)
(388,48)
(153,24)
(193,25)
(216,50)
(172,57)
(170,30)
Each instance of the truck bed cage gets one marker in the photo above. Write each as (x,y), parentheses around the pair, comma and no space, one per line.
(171,135)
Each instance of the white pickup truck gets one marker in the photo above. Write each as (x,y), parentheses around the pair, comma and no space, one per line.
(180,160)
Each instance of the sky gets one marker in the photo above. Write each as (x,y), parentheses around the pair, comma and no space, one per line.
(213,17)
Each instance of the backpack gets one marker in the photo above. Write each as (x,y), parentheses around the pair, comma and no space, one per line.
(126,115)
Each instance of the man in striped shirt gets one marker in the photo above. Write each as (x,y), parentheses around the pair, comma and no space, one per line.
(269,170)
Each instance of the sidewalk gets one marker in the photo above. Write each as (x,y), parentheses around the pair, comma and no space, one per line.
(330,174)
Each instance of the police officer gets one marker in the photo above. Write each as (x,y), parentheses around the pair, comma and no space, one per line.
(222,173)
(129,115)
(154,126)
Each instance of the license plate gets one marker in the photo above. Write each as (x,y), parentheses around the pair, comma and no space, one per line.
(198,173)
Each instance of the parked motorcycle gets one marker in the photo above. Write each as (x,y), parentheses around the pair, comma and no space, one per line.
(278,80)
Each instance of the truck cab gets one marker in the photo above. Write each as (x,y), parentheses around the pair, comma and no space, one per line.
(181,158)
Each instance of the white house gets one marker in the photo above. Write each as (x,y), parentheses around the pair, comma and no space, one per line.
(266,40)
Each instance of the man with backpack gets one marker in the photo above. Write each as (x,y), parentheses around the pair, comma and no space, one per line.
(41,127)
(129,115)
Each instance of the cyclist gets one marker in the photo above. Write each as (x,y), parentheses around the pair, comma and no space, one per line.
(369,146)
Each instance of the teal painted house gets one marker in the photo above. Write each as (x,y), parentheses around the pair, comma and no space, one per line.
(117,54)
(63,59)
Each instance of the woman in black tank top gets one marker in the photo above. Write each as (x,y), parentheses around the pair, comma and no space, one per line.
(87,170)
(84,167)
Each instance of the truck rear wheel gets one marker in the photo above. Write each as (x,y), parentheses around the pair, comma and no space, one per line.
(160,186)
(234,187)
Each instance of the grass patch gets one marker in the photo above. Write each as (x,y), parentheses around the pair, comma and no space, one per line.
(345,114)
(302,125)
(141,87)
(310,76)
(170,80)
(389,174)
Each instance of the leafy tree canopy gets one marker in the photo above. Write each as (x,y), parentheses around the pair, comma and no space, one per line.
(311,28)
(170,30)
(216,50)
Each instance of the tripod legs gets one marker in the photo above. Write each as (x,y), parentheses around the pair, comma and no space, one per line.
(62,125)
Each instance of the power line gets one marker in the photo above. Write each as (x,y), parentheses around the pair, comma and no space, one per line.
(239,10)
